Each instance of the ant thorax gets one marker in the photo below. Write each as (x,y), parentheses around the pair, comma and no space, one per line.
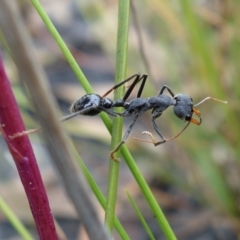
(160,103)
(136,106)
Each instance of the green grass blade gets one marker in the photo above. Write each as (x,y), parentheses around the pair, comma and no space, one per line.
(140,216)
(98,194)
(153,204)
(16,223)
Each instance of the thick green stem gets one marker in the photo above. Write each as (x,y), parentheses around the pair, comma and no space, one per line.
(121,62)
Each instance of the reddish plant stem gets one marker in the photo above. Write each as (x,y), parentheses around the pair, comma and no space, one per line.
(22,153)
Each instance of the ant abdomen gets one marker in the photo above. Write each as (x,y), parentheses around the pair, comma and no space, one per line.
(87,101)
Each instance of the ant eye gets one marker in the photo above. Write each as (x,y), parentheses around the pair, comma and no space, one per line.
(188,118)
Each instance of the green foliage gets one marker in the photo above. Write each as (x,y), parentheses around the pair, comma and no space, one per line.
(17,224)
(140,216)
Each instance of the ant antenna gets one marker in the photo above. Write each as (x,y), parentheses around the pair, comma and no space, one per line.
(210,98)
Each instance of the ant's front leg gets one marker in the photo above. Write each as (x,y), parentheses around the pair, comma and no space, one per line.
(110,112)
(63,119)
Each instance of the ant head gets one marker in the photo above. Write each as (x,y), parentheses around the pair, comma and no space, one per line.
(184,109)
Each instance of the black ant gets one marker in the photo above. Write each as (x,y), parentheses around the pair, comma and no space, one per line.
(182,104)
(92,104)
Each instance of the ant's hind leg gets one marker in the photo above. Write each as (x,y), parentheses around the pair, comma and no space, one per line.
(139,78)
(137,75)
(63,119)
(110,112)
(169,90)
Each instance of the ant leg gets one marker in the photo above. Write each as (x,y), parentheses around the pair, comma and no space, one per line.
(124,138)
(109,111)
(158,132)
(169,139)
(153,141)
(135,82)
(142,78)
(80,112)
(169,90)
(137,75)
(72,115)
(129,90)
(160,142)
